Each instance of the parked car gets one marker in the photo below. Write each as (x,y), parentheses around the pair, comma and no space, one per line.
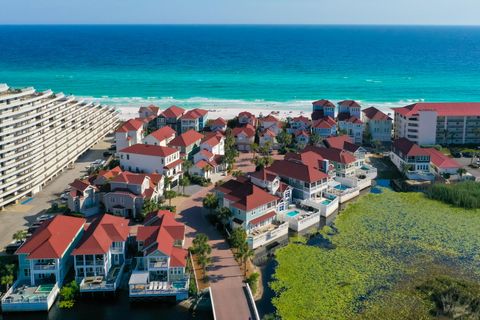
(107,154)
(112,147)
(64,196)
(44,217)
(13,246)
(457,154)
(474,166)
(468,154)
(34,227)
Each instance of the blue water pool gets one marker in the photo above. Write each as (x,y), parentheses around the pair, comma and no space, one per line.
(326,202)
(293,213)
(341,187)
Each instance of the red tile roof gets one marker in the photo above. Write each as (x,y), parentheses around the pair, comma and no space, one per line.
(52,238)
(150,150)
(163,133)
(178,257)
(268,118)
(212,140)
(333,154)
(373,113)
(131,125)
(323,103)
(297,170)
(264,175)
(130,178)
(265,217)
(301,119)
(173,112)
(220,122)
(108,174)
(247,130)
(324,123)
(349,103)
(245,195)
(408,148)
(302,133)
(101,234)
(246,114)
(81,185)
(268,132)
(309,158)
(337,141)
(173,164)
(206,153)
(194,114)
(154,109)
(442,161)
(186,139)
(442,108)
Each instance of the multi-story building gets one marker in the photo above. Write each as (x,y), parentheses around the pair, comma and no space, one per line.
(412,160)
(348,117)
(377,124)
(160,271)
(149,111)
(100,255)
(187,143)
(83,198)
(170,117)
(147,158)
(438,123)
(246,117)
(322,108)
(160,137)
(129,133)
(43,263)
(268,137)
(325,127)
(214,142)
(218,124)
(300,123)
(194,119)
(271,123)
(244,137)
(41,134)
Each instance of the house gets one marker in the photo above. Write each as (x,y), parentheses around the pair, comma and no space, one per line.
(128,192)
(218,124)
(129,133)
(300,123)
(268,137)
(99,257)
(246,117)
(187,143)
(344,142)
(322,108)
(170,117)
(147,112)
(83,198)
(206,163)
(43,263)
(194,119)
(441,164)
(378,125)
(254,210)
(244,137)
(214,142)
(104,176)
(348,118)
(412,160)
(325,127)
(147,158)
(438,123)
(160,270)
(302,138)
(271,123)
(160,137)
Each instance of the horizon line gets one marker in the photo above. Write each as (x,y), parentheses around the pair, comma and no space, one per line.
(244,24)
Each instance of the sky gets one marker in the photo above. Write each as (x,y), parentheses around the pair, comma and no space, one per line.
(409,12)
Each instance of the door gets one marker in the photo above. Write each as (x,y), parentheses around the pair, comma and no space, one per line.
(116,259)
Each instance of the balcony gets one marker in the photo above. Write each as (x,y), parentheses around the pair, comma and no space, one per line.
(327,204)
(24,297)
(267,234)
(140,287)
(300,218)
(45,266)
(100,283)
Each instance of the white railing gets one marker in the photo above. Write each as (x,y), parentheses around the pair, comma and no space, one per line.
(268,235)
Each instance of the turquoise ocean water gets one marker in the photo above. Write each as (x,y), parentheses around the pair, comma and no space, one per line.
(282,67)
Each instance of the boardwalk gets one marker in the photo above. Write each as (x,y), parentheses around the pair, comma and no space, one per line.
(225,275)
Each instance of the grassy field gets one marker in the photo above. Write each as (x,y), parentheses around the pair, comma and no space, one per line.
(384,246)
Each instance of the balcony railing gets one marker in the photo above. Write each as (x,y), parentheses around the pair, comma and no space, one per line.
(267,234)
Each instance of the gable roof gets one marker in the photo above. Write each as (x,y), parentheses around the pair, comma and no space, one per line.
(194,114)
(349,103)
(108,174)
(324,123)
(154,109)
(52,238)
(247,130)
(186,139)
(130,178)
(301,119)
(373,113)
(101,233)
(131,125)
(220,122)
(337,141)
(440,160)
(409,148)
(268,118)
(442,108)
(333,154)
(163,133)
(173,112)
(245,195)
(309,158)
(212,140)
(323,103)
(81,185)
(149,150)
(297,170)
(264,175)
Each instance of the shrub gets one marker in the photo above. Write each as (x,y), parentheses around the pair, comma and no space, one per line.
(464,194)
(68,294)
(252,281)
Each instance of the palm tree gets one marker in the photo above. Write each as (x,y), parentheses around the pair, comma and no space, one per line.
(187,164)
(314,139)
(405,168)
(461,172)
(20,235)
(200,245)
(244,254)
(168,182)
(208,168)
(254,148)
(204,261)
(169,194)
(224,214)
(210,202)
(184,181)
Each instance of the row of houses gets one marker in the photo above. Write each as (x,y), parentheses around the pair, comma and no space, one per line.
(296,191)
(97,252)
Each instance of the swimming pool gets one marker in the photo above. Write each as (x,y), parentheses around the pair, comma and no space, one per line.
(326,202)
(293,213)
(341,187)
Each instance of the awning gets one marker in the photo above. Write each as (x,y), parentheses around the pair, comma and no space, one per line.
(260,219)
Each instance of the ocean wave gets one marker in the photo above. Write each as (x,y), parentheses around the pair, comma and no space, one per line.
(220,103)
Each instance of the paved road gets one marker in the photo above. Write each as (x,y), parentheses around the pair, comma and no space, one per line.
(19,216)
(225,275)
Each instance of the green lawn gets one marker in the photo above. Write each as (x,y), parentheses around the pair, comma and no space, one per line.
(382,243)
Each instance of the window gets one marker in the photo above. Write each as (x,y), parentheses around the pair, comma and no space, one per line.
(128,157)
(26,272)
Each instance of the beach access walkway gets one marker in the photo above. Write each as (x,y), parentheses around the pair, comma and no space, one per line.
(226,279)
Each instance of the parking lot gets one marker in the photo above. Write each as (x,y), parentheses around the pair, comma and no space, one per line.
(466,163)
(20,216)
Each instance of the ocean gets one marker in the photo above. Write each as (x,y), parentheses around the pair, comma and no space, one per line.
(276,67)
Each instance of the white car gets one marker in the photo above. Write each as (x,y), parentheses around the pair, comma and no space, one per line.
(44,217)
